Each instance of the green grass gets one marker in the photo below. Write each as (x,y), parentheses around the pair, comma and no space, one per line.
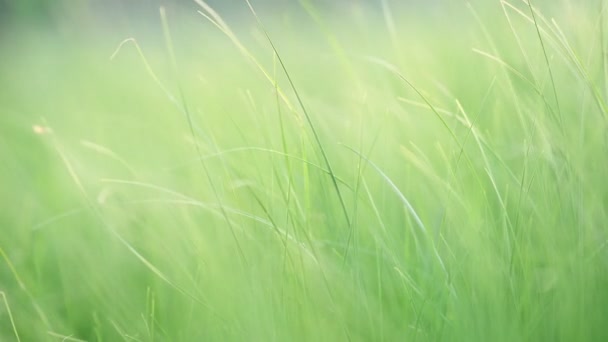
(379,177)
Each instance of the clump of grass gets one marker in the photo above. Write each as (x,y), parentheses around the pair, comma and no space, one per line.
(404,183)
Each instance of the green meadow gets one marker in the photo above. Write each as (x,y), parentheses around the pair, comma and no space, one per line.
(357,172)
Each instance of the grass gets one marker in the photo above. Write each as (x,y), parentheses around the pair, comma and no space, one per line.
(378,177)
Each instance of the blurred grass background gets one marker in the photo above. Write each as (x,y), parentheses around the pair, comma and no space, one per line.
(474,205)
